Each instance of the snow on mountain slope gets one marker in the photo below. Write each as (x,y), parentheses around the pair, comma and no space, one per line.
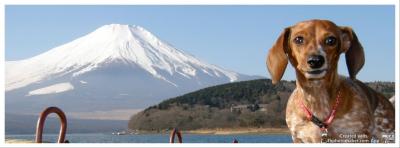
(114,67)
(131,44)
(56,88)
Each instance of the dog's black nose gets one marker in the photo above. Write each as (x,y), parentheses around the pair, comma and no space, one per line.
(316,61)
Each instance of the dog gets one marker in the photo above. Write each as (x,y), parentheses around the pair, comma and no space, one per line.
(327,107)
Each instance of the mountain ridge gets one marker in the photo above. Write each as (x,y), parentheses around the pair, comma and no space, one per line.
(127,44)
(114,67)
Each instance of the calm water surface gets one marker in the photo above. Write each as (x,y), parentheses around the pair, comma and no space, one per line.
(161,138)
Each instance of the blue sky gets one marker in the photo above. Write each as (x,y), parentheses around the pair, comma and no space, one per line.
(233,37)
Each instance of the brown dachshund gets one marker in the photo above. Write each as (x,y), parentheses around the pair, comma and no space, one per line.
(326,107)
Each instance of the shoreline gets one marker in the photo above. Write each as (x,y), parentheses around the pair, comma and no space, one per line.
(18,141)
(215,131)
(234,131)
(222,131)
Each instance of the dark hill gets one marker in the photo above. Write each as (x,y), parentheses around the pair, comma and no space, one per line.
(255,103)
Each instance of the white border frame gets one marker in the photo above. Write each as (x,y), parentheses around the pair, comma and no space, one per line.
(193,2)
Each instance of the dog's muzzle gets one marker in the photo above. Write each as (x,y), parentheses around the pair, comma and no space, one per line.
(316,61)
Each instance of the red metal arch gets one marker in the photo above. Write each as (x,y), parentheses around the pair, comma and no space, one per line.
(172,136)
(42,119)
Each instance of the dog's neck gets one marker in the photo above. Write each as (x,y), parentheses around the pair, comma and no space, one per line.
(319,95)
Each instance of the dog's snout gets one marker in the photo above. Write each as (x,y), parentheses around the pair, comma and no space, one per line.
(316,61)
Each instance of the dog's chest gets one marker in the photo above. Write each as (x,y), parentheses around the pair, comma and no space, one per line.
(355,121)
(317,104)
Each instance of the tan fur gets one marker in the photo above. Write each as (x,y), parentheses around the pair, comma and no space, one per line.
(362,112)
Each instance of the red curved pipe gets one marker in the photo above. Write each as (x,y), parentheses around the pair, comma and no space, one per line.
(42,119)
(172,136)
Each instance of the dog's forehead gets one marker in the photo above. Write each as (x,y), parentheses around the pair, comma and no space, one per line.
(314,25)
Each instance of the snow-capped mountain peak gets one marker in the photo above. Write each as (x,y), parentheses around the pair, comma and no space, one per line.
(114,43)
(114,67)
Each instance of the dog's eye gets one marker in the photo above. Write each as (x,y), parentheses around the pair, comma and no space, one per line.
(330,41)
(299,40)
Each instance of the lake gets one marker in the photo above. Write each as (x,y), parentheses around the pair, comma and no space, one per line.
(161,138)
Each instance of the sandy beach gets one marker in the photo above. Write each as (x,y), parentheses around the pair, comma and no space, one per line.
(229,131)
(18,141)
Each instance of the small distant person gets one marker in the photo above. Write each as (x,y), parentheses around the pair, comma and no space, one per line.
(235,141)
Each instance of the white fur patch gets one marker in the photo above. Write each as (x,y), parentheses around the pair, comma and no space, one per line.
(324,67)
(315,76)
(323,53)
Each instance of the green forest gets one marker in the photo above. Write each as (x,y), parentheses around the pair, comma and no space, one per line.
(249,104)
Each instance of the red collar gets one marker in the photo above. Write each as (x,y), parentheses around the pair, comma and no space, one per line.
(322,125)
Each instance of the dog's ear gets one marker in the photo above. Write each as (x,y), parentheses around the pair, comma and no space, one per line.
(277,59)
(354,51)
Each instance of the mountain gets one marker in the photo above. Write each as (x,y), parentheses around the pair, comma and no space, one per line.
(246,104)
(115,67)
(26,124)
